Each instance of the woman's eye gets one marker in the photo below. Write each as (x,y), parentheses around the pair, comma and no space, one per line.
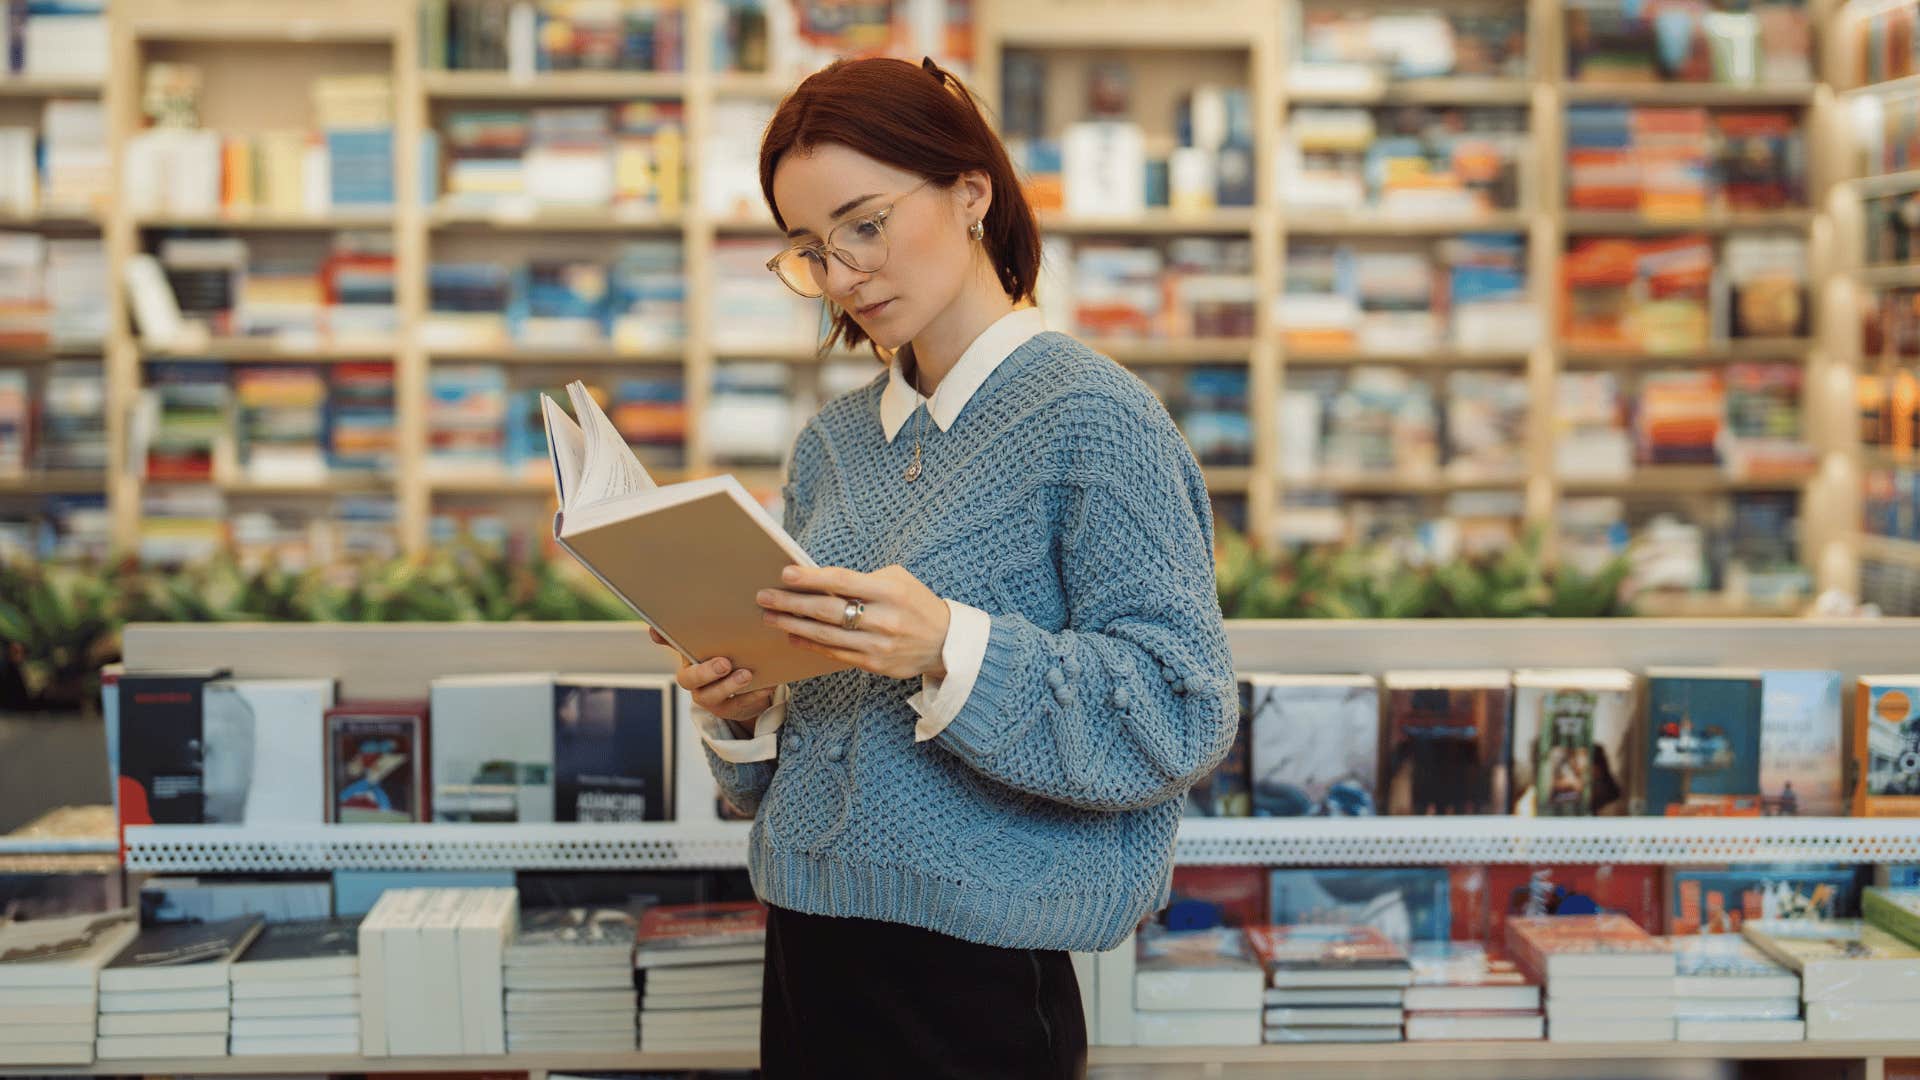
(866,230)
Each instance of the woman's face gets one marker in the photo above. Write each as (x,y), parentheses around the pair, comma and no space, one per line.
(928,249)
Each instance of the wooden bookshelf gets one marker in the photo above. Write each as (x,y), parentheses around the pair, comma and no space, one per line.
(1628,224)
(43,86)
(1158,222)
(552,85)
(53,483)
(549,220)
(1706,94)
(1434,91)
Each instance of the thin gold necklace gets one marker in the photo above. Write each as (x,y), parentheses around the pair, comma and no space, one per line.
(919,425)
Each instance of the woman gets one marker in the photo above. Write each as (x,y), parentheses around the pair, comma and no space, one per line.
(1016,561)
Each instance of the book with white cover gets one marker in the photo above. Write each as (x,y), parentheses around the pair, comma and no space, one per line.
(392,905)
(1732,1008)
(572,1041)
(725,999)
(37,1053)
(115,1048)
(1727,966)
(279,1046)
(1196,970)
(1222,1027)
(535,1002)
(1740,1030)
(443,1028)
(163,1001)
(282,1027)
(1447,1026)
(687,557)
(717,977)
(198,1022)
(559,1023)
(269,770)
(1840,959)
(278,989)
(336,1005)
(67,951)
(562,979)
(492,747)
(1385,995)
(482,939)
(1870,1019)
(1608,986)
(50,1015)
(1590,1031)
(302,952)
(1332,1034)
(1333,1016)
(747,1017)
(1574,1008)
(33,996)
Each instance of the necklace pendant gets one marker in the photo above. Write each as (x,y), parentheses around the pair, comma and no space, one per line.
(913,472)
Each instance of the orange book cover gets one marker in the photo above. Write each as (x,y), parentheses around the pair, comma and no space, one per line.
(1885,766)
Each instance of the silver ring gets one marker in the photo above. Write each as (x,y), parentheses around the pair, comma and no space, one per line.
(850,619)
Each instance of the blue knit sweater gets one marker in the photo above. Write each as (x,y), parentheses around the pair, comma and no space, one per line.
(1065,504)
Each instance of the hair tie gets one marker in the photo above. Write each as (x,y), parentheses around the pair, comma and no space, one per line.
(927,65)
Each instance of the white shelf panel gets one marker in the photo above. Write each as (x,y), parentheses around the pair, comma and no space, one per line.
(1388,841)
(157,848)
(1392,841)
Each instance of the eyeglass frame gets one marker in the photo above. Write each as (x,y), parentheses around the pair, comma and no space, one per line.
(827,247)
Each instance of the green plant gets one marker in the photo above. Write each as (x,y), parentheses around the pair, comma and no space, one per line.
(58,624)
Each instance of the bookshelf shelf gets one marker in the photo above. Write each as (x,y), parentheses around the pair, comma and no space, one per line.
(37,86)
(1181,351)
(1442,91)
(1891,277)
(1380,841)
(565,355)
(1639,225)
(1882,458)
(552,85)
(1746,350)
(334,485)
(798,355)
(1389,225)
(41,354)
(1225,220)
(1678,480)
(1895,183)
(746,226)
(1663,605)
(1438,484)
(1442,358)
(297,30)
(748,84)
(51,219)
(357,219)
(491,485)
(1707,94)
(1890,549)
(60,483)
(549,219)
(269,352)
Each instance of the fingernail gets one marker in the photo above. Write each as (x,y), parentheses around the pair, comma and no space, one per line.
(743,676)
(791,573)
(724,665)
(764,596)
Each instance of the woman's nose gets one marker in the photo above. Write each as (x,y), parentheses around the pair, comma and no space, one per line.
(842,280)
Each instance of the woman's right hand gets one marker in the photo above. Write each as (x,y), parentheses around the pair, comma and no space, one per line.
(715,687)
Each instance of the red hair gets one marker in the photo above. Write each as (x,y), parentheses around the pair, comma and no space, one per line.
(915,117)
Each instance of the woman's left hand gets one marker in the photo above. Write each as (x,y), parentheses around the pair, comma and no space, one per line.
(901,632)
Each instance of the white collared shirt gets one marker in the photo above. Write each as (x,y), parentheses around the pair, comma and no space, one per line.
(939,700)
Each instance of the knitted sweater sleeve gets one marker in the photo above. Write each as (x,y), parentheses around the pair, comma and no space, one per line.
(1133,702)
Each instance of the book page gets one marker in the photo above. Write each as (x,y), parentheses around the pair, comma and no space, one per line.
(565,449)
(608,468)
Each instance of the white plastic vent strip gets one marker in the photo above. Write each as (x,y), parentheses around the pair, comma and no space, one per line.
(1267,841)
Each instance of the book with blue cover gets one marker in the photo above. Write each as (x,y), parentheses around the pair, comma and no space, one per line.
(1703,742)
(1407,904)
(613,748)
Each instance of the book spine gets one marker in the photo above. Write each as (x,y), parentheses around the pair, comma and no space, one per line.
(1890,915)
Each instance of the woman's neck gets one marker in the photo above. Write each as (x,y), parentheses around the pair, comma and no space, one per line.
(938,347)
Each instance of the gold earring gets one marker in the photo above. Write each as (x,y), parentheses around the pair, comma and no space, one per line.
(977,230)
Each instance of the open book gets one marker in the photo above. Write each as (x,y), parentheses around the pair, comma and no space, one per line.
(687,557)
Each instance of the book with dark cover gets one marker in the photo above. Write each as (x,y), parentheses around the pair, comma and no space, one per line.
(1719,900)
(190,943)
(163,747)
(1703,739)
(377,754)
(574,935)
(1446,750)
(293,949)
(1406,904)
(613,748)
(1485,897)
(1225,792)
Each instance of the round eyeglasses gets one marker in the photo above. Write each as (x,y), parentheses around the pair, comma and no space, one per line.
(859,243)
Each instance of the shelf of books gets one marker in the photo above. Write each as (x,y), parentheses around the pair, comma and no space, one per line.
(1558,244)
(1878,294)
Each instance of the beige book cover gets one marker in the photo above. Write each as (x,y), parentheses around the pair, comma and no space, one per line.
(688,557)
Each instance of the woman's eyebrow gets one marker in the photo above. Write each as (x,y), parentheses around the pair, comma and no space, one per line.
(838,211)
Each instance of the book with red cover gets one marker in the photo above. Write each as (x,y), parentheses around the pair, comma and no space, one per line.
(690,926)
(1446,742)
(1237,893)
(1485,897)
(1327,955)
(1556,946)
(377,758)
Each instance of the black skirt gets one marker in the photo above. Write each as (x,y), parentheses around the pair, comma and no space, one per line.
(862,998)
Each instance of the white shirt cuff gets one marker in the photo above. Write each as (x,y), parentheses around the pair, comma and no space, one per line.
(764,746)
(940,700)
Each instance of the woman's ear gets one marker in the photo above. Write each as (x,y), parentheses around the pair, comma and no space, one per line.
(975,189)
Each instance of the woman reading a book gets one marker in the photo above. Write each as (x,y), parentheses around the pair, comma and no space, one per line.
(1016,564)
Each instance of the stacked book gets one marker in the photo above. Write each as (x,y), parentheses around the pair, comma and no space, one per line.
(1607,980)
(1196,988)
(430,971)
(167,994)
(1857,980)
(297,990)
(1462,991)
(49,985)
(1331,983)
(700,970)
(1729,991)
(569,980)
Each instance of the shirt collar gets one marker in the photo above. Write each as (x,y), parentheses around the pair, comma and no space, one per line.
(994,344)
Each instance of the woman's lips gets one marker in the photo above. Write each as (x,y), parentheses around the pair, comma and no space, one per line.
(872,310)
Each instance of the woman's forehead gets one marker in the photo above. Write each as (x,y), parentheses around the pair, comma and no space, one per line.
(814,189)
